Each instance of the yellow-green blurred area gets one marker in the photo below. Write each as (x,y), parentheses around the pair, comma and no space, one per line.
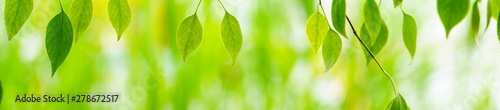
(276,68)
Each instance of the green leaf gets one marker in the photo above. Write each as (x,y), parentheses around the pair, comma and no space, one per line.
(373,20)
(488,15)
(452,12)
(410,33)
(81,16)
(495,7)
(498,29)
(316,30)
(58,40)
(365,36)
(331,49)
(377,43)
(16,14)
(338,16)
(475,20)
(231,35)
(189,35)
(397,3)
(119,15)
(397,103)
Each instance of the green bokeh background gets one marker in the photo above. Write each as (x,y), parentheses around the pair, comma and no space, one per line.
(275,69)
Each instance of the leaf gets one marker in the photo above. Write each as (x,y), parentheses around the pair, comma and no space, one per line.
(488,14)
(119,15)
(475,20)
(189,35)
(81,16)
(397,103)
(397,3)
(373,20)
(410,34)
(58,40)
(495,7)
(498,29)
(451,12)
(316,30)
(16,14)
(365,36)
(377,43)
(231,35)
(338,16)
(331,49)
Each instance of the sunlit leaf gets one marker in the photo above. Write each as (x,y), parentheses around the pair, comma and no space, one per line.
(189,35)
(488,14)
(378,42)
(475,20)
(498,29)
(372,17)
(338,16)
(81,16)
(316,30)
(16,14)
(331,49)
(119,15)
(397,103)
(365,36)
(410,33)
(231,35)
(397,3)
(452,12)
(58,40)
(495,7)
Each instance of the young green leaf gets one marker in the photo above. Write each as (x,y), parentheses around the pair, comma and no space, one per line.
(451,12)
(372,17)
(231,35)
(58,40)
(338,16)
(81,16)
(331,49)
(410,33)
(365,36)
(16,14)
(397,103)
(498,29)
(316,30)
(397,3)
(475,20)
(119,15)
(378,43)
(189,35)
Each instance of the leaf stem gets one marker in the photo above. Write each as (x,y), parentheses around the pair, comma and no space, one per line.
(373,56)
(222,6)
(198,7)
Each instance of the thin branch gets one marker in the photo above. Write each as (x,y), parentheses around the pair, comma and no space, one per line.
(222,6)
(197,7)
(373,56)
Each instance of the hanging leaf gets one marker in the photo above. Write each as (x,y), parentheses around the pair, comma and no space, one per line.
(397,3)
(81,16)
(495,7)
(365,36)
(231,35)
(331,49)
(488,14)
(58,40)
(316,30)
(119,15)
(475,20)
(410,34)
(397,103)
(189,35)
(498,29)
(378,42)
(452,12)
(373,20)
(16,14)
(338,16)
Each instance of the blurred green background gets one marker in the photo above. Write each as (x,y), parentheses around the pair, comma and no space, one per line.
(276,68)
